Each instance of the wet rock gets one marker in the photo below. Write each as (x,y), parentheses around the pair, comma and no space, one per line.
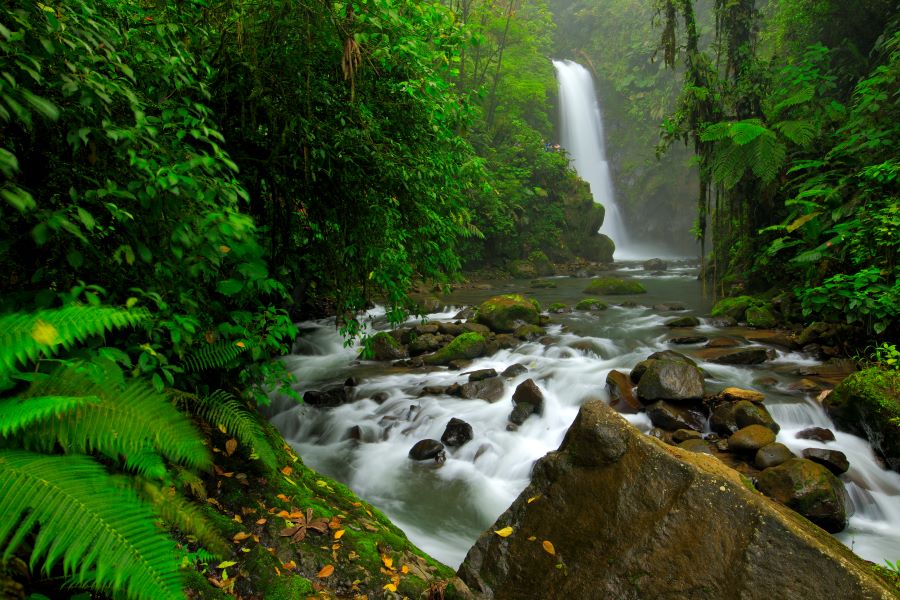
(672,355)
(380,397)
(621,395)
(459,364)
(591,304)
(433,390)
(734,394)
(669,307)
(833,460)
(424,343)
(490,390)
(351,382)
(683,322)
(682,435)
(761,317)
(820,434)
(465,314)
(528,392)
(608,286)
(507,341)
(453,329)
(722,342)
(750,439)
(722,419)
(776,338)
(688,339)
(476,328)
(670,380)
(467,346)
(327,398)
(748,413)
(481,374)
(671,418)
(542,284)
(557,308)
(722,322)
(655,264)
(697,445)
(519,413)
(504,314)
(588,347)
(386,347)
(457,433)
(810,489)
(734,308)
(529,332)
(752,355)
(772,455)
(427,450)
(514,371)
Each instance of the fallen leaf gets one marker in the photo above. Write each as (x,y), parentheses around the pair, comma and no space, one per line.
(388,561)
(277,571)
(531,538)
(284,513)
(335,546)
(335,523)
(326,571)
(282,497)
(222,428)
(230,446)
(238,518)
(287,470)
(289,565)
(245,549)
(404,569)
(356,504)
(225,564)
(240,536)
(548,547)
(338,534)
(390,587)
(505,532)
(261,522)
(533,498)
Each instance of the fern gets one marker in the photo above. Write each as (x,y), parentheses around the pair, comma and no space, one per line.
(17,414)
(100,532)
(175,510)
(768,156)
(25,336)
(744,132)
(214,356)
(801,133)
(223,409)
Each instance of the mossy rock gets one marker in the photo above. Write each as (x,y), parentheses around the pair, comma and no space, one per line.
(557,307)
(383,346)
(503,314)
(614,286)
(761,317)
(591,304)
(598,248)
(522,269)
(867,403)
(543,284)
(735,308)
(542,265)
(529,332)
(466,346)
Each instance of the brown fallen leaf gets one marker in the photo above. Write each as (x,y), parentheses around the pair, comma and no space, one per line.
(326,571)
(282,497)
(261,522)
(230,446)
(287,470)
(289,565)
(239,537)
(338,534)
(305,524)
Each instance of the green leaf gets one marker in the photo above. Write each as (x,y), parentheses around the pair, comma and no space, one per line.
(230,287)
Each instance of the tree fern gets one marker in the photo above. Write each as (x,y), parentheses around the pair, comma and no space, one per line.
(221,408)
(100,532)
(214,356)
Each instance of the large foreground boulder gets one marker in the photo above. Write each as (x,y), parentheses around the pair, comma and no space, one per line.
(616,514)
(670,380)
(504,314)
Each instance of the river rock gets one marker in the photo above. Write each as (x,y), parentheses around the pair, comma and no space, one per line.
(424,343)
(504,314)
(671,418)
(453,329)
(670,380)
(466,313)
(528,392)
(490,390)
(683,322)
(734,394)
(748,413)
(722,342)
(386,347)
(457,433)
(632,518)
(481,374)
(507,341)
(529,332)
(669,307)
(750,438)
(752,355)
(514,371)
(697,445)
(682,435)
(470,327)
(722,419)
(428,449)
(772,455)
(608,286)
(520,412)
(810,489)
(467,346)
(655,264)
(327,398)
(833,460)
(380,397)
(687,339)
(820,434)
(591,304)
(621,396)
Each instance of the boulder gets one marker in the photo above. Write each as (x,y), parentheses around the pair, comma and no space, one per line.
(749,413)
(457,433)
(733,307)
(424,343)
(621,396)
(598,248)
(683,322)
(697,445)
(612,286)
(682,435)
(734,394)
(327,398)
(529,332)
(722,419)
(514,371)
(810,489)
(542,284)
(722,342)
(428,450)
(820,434)
(591,304)
(772,455)
(760,317)
(833,460)
(670,380)
(528,392)
(750,439)
(453,329)
(507,340)
(490,390)
(629,517)
(467,346)
(669,306)
(380,397)
(671,418)
(752,355)
(687,339)
(503,314)
(386,347)
(520,412)
(655,264)
(672,355)
(481,374)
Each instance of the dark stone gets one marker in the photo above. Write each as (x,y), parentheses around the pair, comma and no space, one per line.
(834,460)
(458,364)
(380,397)
(351,382)
(453,329)
(457,433)
(426,328)
(655,264)
(670,380)
(750,439)
(672,355)
(621,396)
(820,434)
(810,489)
(722,342)
(682,435)
(427,450)
(696,445)
(490,390)
(722,322)
(689,339)
(683,322)
(507,340)
(481,374)
(529,332)
(772,455)
(520,412)
(671,418)
(528,392)
(433,390)
(327,398)
(514,370)
(427,342)
(748,413)
(722,420)
(669,307)
(386,347)
(752,355)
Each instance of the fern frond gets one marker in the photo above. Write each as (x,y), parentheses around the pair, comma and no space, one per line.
(175,510)
(214,356)
(25,336)
(799,97)
(768,157)
(17,414)
(744,132)
(801,133)
(133,421)
(716,132)
(221,408)
(101,533)
(187,479)
(730,163)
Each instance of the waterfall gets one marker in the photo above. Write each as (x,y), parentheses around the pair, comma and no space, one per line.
(581,129)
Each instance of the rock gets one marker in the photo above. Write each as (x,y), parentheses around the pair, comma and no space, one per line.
(520,412)
(735,394)
(748,413)
(805,385)
(351,382)
(522,269)
(514,370)
(558,308)
(733,307)
(386,347)
(722,322)
(380,397)
(810,489)
(598,248)
(481,374)
(327,398)
(697,445)
(672,355)
(777,338)
(833,460)
(476,328)
(610,286)
(687,339)
(683,322)
(722,342)
(682,435)
(490,390)
(426,328)
(465,314)
(460,364)
(427,450)
(424,343)
(591,304)
(467,346)
(772,455)
(507,340)
(655,264)
(671,418)
(542,284)
(669,307)
(760,317)
(631,518)
(453,329)
(752,355)
(503,314)
(457,433)
(588,347)
(750,438)
(426,303)
(865,404)
(722,419)
(621,396)
(670,380)
(818,332)
(529,332)
(820,434)
(433,390)
(528,392)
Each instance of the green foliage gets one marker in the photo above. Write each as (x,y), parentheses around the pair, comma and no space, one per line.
(214,356)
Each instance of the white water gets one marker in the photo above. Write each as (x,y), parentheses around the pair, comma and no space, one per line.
(443,509)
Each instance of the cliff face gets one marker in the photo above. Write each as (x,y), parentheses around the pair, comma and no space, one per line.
(616,514)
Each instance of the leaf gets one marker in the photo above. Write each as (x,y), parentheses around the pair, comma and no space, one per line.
(230,446)
(241,536)
(261,522)
(287,470)
(339,534)
(505,532)
(388,561)
(390,587)
(548,547)
(225,564)
(325,571)
(801,221)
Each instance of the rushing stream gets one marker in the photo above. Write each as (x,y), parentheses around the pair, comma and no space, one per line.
(444,508)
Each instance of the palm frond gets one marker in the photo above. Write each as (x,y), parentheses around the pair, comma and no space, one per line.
(214,356)
(101,533)
(25,336)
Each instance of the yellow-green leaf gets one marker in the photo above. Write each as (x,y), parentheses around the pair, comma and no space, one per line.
(505,532)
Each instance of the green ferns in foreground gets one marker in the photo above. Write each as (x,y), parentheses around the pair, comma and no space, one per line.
(91,510)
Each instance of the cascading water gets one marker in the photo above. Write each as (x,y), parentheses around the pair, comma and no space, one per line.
(582,137)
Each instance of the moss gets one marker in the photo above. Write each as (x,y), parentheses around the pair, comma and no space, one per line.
(522,269)
(201,588)
(543,284)
(504,313)
(866,403)
(557,307)
(591,304)
(466,346)
(609,286)
(761,316)
(735,308)
(289,587)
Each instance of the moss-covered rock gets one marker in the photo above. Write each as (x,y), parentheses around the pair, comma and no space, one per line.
(522,269)
(609,286)
(542,265)
(504,314)
(591,304)
(735,308)
(466,346)
(542,284)
(760,316)
(383,346)
(810,489)
(598,248)
(867,403)
(557,307)
(529,332)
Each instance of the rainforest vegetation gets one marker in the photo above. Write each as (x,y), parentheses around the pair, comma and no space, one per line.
(184,180)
